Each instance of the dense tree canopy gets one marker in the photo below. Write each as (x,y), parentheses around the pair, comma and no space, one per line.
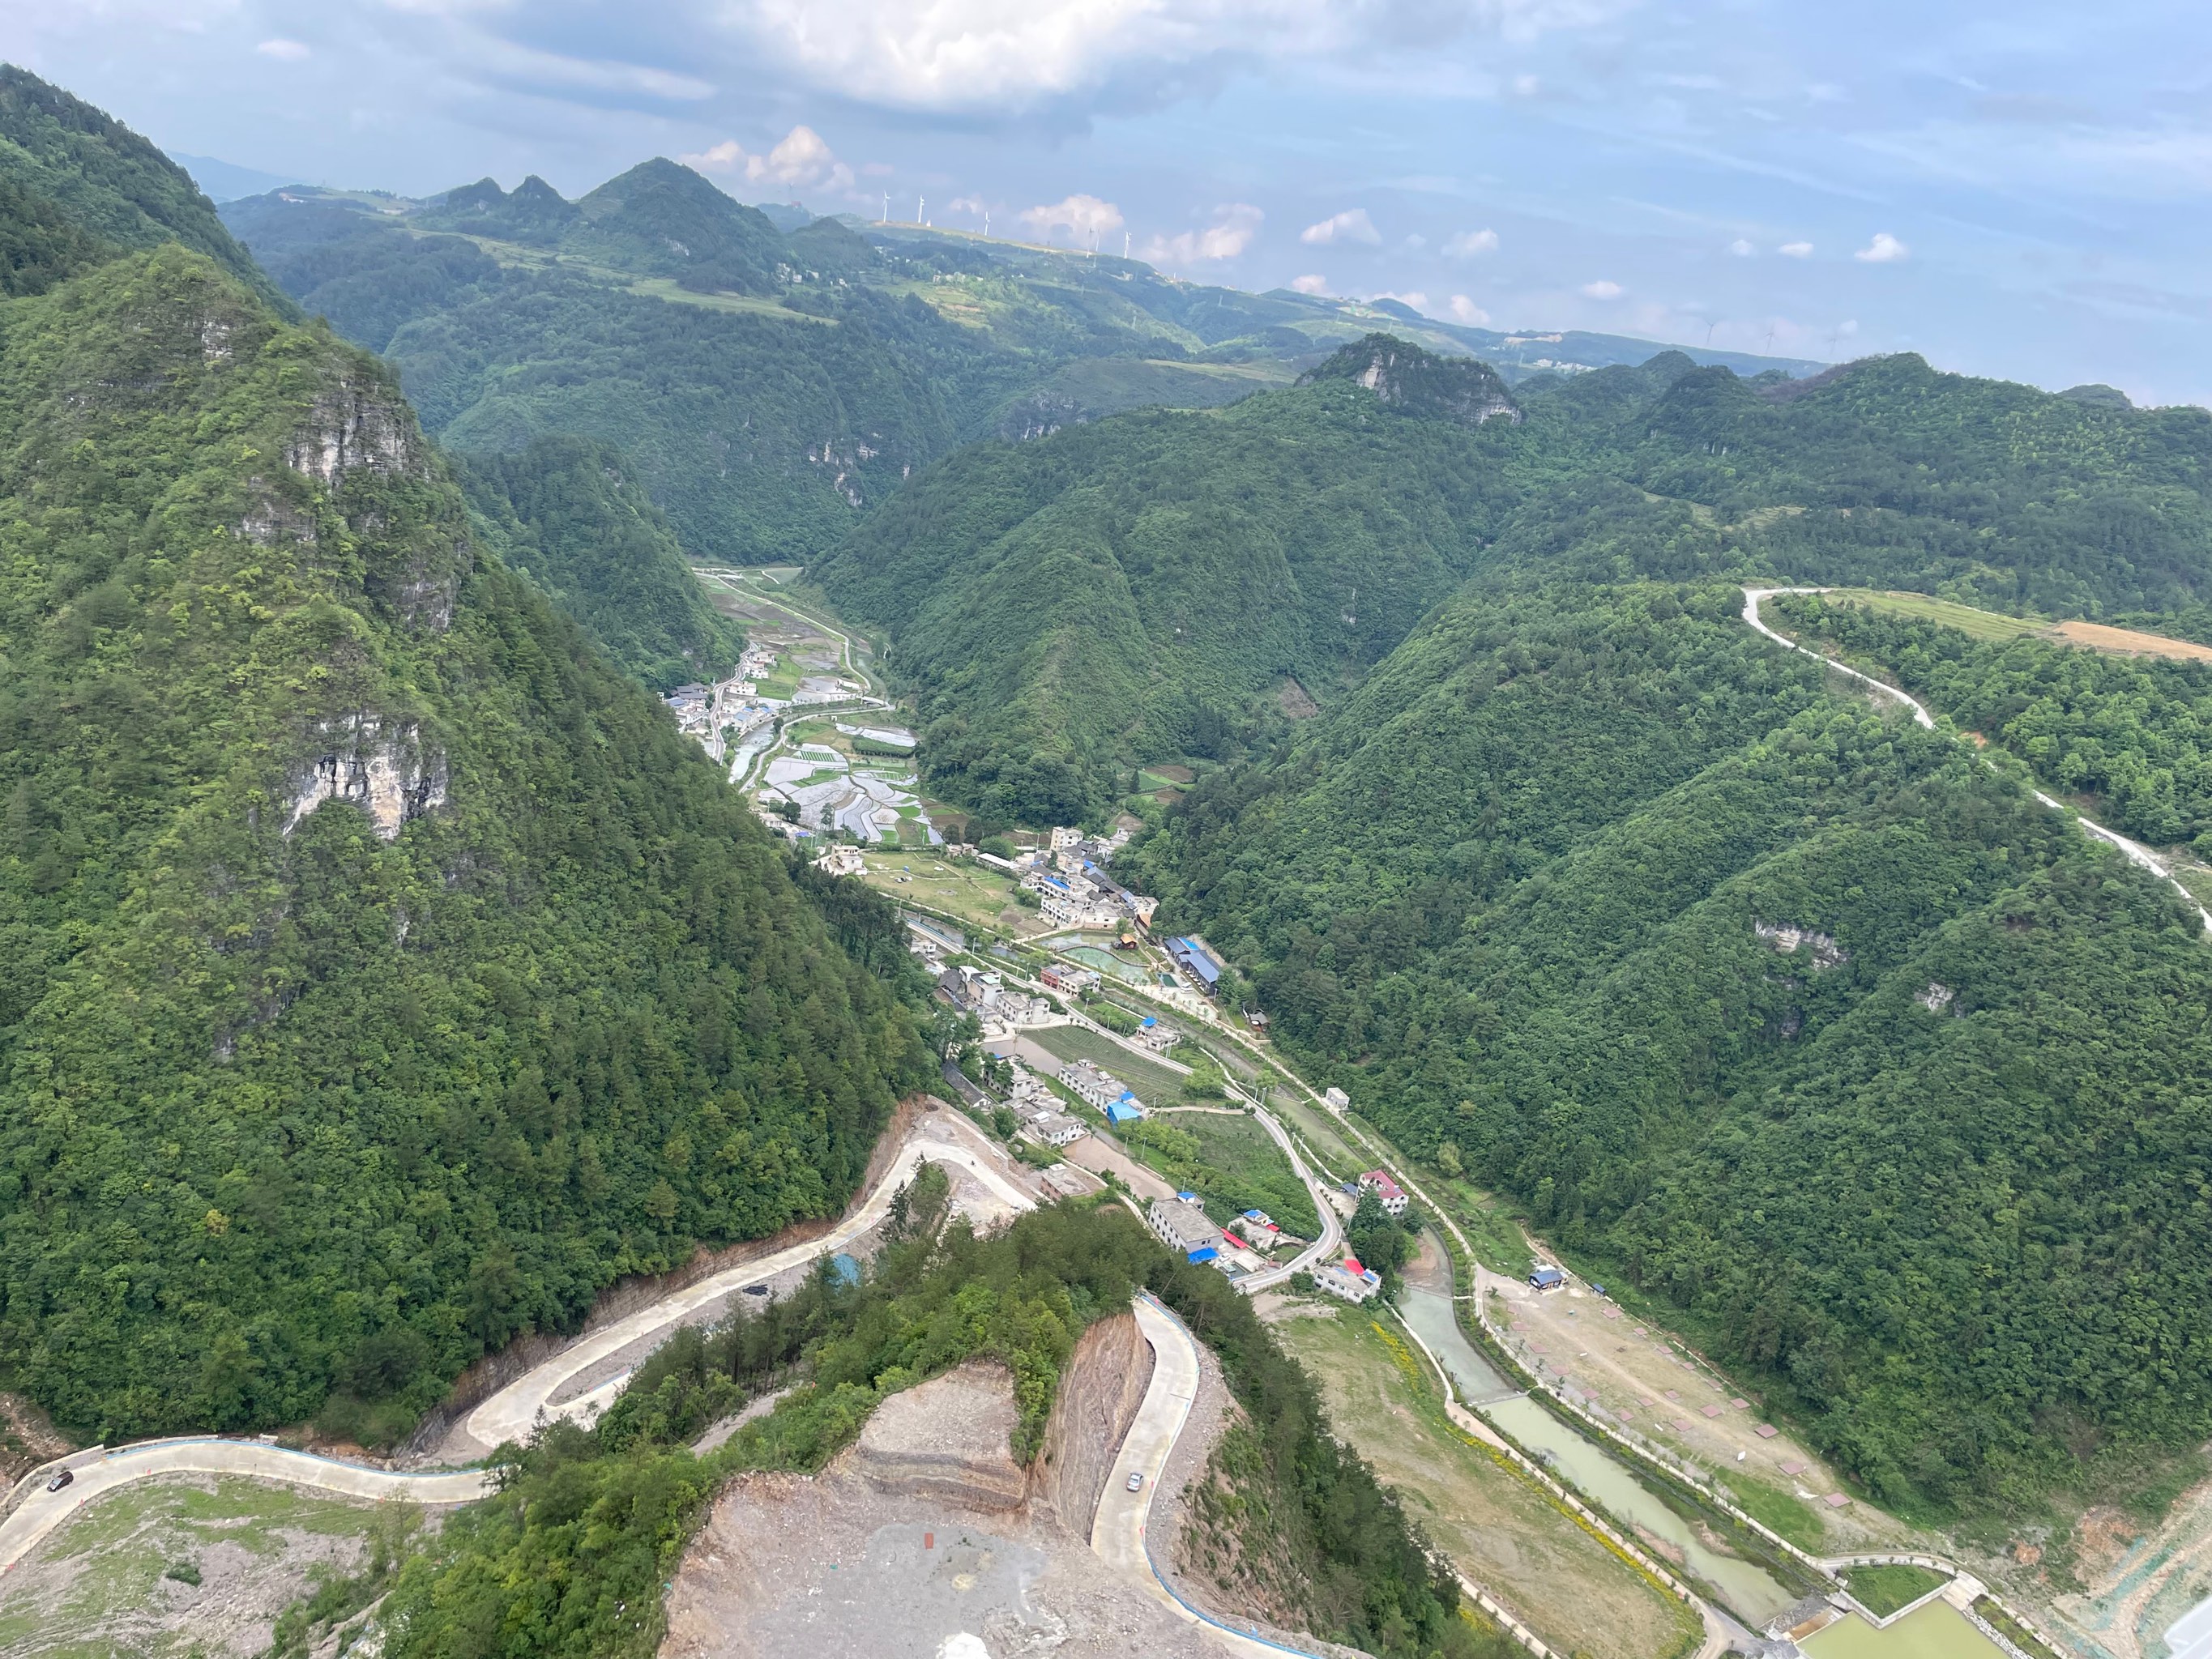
(298,1096)
(571,514)
(1782,1009)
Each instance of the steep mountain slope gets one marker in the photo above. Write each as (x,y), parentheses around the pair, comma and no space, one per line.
(567,511)
(1793,1015)
(383,973)
(1067,608)
(1126,590)
(110,185)
(763,429)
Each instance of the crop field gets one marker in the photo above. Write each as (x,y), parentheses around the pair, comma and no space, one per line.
(1498,1527)
(1923,607)
(1995,626)
(1154,1084)
(975,895)
(1229,1159)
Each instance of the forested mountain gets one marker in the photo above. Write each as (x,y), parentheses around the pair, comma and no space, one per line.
(566,511)
(2131,734)
(381,973)
(64,163)
(1779,1009)
(1065,608)
(771,379)
(1124,590)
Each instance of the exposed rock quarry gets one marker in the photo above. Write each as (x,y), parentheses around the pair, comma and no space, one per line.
(950,1437)
(1099,1394)
(382,768)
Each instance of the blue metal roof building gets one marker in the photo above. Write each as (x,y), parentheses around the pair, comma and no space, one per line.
(1194,960)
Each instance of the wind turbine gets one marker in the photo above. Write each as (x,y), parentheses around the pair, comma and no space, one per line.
(917,210)
(887,208)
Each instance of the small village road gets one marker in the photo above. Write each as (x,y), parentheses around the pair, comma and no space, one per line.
(41,1510)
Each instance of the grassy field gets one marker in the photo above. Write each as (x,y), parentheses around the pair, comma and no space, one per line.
(975,895)
(1883,1590)
(1154,1084)
(664,288)
(1229,1160)
(1784,1512)
(1981,624)
(1500,1527)
(187,1566)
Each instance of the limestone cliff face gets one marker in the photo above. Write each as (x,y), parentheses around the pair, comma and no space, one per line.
(358,435)
(1418,382)
(1099,1394)
(381,767)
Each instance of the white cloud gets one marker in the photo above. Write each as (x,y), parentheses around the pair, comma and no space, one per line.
(286,52)
(1741,249)
(965,204)
(1470,243)
(1085,218)
(1316,286)
(800,159)
(1419,301)
(1353,225)
(1234,227)
(1795,250)
(990,54)
(1466,311)
(1415,242)
(1884,250)
(1602,289)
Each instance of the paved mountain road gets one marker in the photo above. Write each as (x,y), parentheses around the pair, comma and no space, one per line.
(512,1413)
(41,1510)
(2135,852)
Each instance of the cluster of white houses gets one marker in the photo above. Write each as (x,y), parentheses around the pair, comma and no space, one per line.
(1181,1223)
(1039,1107)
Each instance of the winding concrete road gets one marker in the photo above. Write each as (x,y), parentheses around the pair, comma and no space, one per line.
(512,1413)
(1118,1531)
(2135,852)
(41,1510)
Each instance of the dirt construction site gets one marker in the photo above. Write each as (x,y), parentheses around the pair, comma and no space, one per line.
(926,1538)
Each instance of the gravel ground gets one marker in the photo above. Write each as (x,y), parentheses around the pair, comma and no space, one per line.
(829,1564)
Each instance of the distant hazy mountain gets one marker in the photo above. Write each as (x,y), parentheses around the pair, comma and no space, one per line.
(226,181)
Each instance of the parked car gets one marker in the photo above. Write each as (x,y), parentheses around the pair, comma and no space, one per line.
(62,1478)
(1136,1481)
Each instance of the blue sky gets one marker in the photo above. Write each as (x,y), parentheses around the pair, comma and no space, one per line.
(2017,190)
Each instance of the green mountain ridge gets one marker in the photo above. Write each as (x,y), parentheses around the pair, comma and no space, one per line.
(73,162)
(566,512)
(384,975)
(1773,1008)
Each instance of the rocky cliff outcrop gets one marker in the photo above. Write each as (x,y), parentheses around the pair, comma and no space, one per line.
(950,1437)
(358,436)
(1099,1394)
(1418,382)
(380,766)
